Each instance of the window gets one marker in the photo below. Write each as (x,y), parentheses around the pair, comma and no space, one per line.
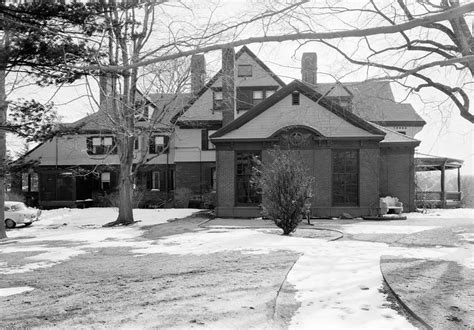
(136,144)
(105,180)
(143,111)
(158,144)
(101,145)
(244,70)
(248,97)
(295,98)
(246,193)
(25,182)
(258,96)
(218,100)
(345,177)
(34,182)
(213,179)
(155,180)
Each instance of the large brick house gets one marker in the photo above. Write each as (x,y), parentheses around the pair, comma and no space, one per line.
(356,139)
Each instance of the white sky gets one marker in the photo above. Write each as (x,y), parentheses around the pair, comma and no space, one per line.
(446,133)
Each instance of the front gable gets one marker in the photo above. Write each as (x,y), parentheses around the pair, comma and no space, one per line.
(313,112)
(202,107)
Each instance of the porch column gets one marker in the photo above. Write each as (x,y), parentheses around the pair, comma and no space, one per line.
(443,190)
(459,179)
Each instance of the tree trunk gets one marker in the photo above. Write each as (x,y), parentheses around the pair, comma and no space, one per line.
(3,147)
(3,116)
(125,216)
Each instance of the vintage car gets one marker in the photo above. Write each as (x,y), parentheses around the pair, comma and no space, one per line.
(17,213)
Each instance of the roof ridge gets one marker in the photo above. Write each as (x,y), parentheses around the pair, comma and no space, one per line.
(311,94)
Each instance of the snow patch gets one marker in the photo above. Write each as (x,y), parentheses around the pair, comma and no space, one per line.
(384,229)
(443,213)
(17,290)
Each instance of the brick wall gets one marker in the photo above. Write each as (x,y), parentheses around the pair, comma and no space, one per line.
(194,175)
(225,179)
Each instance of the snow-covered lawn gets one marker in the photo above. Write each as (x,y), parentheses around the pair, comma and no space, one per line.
(338,283)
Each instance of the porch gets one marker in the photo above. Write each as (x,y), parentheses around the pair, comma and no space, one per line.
(442,198)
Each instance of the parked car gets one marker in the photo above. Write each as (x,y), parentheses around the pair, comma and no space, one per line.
(17,213)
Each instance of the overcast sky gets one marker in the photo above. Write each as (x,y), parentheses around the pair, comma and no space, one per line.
(446,133)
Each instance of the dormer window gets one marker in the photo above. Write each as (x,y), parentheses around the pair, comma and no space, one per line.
(295,98)
(244,70)
(101,145)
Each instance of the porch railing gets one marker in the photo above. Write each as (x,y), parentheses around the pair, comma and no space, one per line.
(436,199)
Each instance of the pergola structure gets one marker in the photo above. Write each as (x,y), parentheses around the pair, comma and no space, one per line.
(441,198)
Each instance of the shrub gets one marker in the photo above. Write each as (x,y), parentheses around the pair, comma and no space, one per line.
(286,188)
(113,198)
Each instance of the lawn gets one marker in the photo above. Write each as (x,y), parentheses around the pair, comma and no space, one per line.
(67,271)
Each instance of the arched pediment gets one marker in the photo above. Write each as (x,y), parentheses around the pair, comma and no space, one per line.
(296,135)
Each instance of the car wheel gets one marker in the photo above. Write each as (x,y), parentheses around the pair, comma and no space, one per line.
(9,223)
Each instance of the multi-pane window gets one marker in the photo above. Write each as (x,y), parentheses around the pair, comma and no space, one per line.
(157,144)
(155,180)
(105,180)
(345,177)
(249,97)
(246,192)
(244,70)
(218,102)
(258,96)
(29,182)
(101,145)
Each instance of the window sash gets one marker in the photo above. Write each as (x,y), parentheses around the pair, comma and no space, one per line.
(246,193)
(345,178)
(155,180)
(244,70)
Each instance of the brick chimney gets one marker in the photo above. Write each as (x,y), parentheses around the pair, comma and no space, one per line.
(198,73)
(309,68)
(228,85)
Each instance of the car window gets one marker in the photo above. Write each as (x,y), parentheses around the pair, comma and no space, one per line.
(7,208)
(18,207)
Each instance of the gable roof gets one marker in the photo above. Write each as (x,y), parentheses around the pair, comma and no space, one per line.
(393,137)
(374,101)
(166,104)
(308,92)
(211,82)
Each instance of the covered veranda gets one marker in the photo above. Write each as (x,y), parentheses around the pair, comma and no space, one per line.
(442,198)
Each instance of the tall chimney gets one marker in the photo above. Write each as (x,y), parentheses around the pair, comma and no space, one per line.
(228,85)
(198,73)
(309,68)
